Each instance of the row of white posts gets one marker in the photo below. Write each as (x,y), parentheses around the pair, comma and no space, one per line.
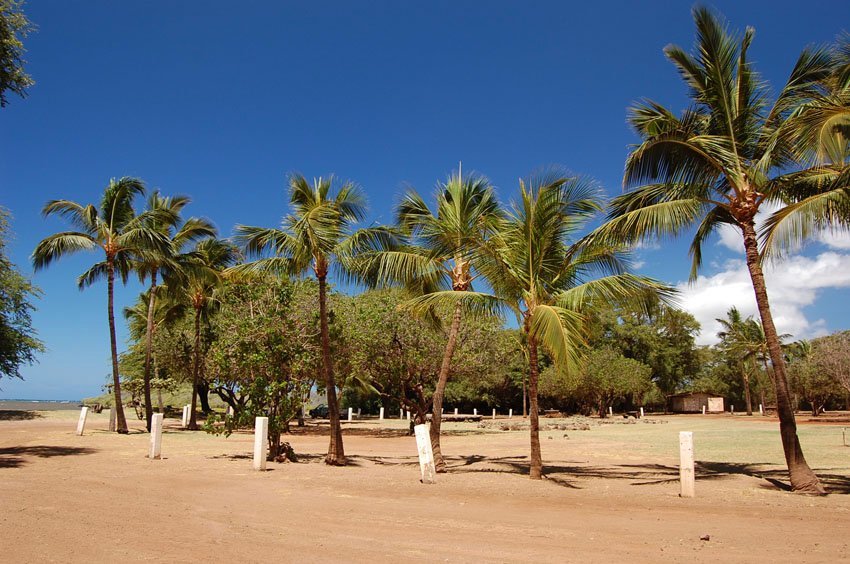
(423,444)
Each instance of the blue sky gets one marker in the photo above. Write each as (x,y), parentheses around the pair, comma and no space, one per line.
(219,100)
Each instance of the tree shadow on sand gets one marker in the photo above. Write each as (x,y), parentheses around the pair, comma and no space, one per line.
(13,457)
(568,474)
(17,415)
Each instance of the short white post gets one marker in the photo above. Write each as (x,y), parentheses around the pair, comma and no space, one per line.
(350,412)
(261,442)
(510,414)
(610,411)
(641,413)
(401,413)
(494,413)
(358,413)
(81,424)
(761,409)
(230,410)
(686,463)
(442,410)
(475,411)
(186,417)
(381,414)
(703,410)
(113,419)
(426,454)
(732,409)
(455,411)
(156,437)
(408,416)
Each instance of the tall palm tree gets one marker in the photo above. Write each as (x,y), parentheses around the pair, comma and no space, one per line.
(203,270)
(317,235)
(113,227)
(151,264)
(549,279)
(741,343)
(439,257)
(717,164)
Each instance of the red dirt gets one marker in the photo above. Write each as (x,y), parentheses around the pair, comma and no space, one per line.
(98,498)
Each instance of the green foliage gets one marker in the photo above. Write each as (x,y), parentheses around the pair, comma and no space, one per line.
(18,341)
(14,27)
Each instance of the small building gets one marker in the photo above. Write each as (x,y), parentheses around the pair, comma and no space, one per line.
(693,402)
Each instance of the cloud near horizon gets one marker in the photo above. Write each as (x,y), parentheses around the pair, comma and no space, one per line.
(792,285)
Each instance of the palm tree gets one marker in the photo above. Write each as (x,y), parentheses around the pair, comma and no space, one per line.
(549,280)
(114,227)
(202,274)
(316,235)
(440,258)
(740,342)
(717,164)
(150,264)
(165,312)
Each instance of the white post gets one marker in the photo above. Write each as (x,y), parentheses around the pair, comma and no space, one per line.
(703,410)
(81,424)
(156,437)
(494,413)
(455,411)
(732,409)
(186,417)
(610,411)
(358,413)
(401,413)
(408,416)
(641,413)
(761,409)
(230,410)
(426,454)
(510,414)
(686,463)
(350,413)
(113,421)
(261,442)
(475,411)
(381,415)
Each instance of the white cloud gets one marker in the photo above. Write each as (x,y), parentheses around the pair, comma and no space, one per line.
(835,239)
(792,285)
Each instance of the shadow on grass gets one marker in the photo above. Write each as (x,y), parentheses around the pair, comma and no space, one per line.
(13,457)
(16,415)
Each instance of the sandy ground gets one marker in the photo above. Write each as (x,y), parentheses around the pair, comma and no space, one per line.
(611,495)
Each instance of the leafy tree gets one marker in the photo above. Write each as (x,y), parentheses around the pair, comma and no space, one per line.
(807,379)
(317,235)
(114,228)
(14,27)
(18,341)
(439,261)
(831,356)
(154,262)
(716,164)
(549,280)
(263,354)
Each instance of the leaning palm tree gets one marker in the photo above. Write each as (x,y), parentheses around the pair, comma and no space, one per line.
(717,164)
(549,280)
(317,235)
(113,227)
(151,264)
(202,273)
(439,257)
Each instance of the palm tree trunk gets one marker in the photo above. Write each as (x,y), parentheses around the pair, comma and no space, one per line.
(116,383)
(148,350)
(747,390)
(524,396)
(196,369)
(336,452)
(440,390)
(535,471)
(802,478)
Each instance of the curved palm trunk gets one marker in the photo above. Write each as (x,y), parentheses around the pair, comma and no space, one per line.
(440,390)
(336,452)
(148,351)
(116,383)
(196,369)
(802,478)
(535,470)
